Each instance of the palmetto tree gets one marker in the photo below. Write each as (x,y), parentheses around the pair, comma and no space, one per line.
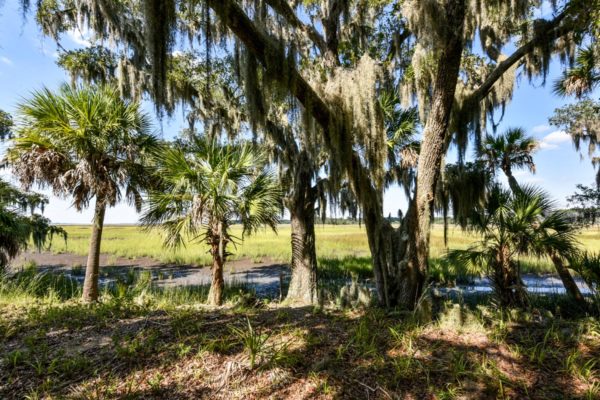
(205,187)
(86,143)
(514,224)
(513,150)
(509,151)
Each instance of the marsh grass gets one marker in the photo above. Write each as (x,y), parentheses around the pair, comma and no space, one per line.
(342,250)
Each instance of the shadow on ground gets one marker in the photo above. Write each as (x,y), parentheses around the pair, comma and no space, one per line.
(129,350)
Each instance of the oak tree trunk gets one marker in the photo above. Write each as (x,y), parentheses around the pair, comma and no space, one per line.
(92,269)
(414,267)
(399,255)
(303,284)
(301,204)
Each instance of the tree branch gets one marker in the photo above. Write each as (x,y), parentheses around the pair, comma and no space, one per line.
(552,28)
(266,49)
(283,8)
(270,54)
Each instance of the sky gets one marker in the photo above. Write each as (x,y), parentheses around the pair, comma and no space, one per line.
(28,62)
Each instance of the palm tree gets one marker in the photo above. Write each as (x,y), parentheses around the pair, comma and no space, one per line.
(84,142)
(513,224)
(205,187)
(511,150)
(514,150)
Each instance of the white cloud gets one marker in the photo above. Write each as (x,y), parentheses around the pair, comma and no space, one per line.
(557,137)
(6,60)
(554,139)
(80,37)
(48,53)
(540,128)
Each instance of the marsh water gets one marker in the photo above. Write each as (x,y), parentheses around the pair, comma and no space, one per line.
(270,280)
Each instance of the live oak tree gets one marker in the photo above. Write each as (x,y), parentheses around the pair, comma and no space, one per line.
(6,124)
(336,74)
(86,143)
(586,202)
(581,120)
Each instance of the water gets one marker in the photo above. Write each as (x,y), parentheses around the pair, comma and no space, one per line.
(267,283)
(539,284)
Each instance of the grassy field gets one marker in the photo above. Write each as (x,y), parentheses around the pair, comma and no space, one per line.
(340,245)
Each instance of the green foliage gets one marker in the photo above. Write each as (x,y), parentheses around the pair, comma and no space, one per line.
(587,264)
(512,149)
(205,187)
(586,202)
(84,142)
(94,64)
(207,184)
(583,77)
(6,125)
(522,223)
(17,229)
(581,120)
(253,340)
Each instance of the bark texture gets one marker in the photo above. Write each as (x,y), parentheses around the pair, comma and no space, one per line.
(506,279)
(92,269)
(399,255)
(567,279)
(512,182)
(301,204)
(218,247)
(414,268)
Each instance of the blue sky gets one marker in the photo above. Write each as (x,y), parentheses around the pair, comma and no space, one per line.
(27,62)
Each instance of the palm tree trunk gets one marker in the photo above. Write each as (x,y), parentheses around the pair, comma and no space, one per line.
(567,279)
(90,284)
(215,294)
(512,182)
(507,283)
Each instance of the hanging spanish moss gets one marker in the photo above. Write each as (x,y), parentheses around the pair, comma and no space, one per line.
(160,20)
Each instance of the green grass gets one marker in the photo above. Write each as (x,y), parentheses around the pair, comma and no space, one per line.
(138,347)
(338,247)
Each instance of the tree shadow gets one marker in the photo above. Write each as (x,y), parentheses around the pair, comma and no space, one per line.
(136,351)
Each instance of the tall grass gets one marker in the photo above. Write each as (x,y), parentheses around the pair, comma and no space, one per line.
(336,244)
(30,285)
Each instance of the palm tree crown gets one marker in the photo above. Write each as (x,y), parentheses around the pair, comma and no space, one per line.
(84,142)
(511,150)
(513,224)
